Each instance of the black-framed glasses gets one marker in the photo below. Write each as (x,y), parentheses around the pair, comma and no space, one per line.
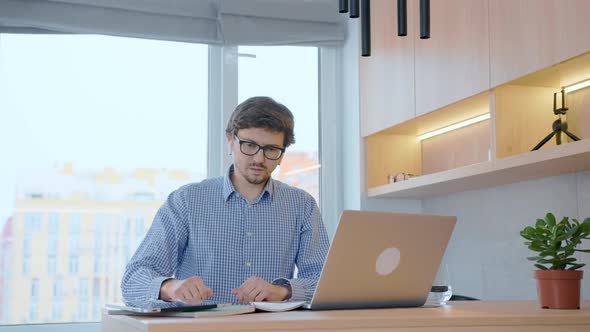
(250,148)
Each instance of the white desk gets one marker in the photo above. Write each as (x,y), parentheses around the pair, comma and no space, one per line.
(487,316)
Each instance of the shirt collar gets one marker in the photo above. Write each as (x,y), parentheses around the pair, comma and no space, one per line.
(228,186)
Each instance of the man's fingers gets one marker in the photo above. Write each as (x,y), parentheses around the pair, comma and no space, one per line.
(178,294)
(201,291)
(193,291)
(209,292)
(248,286)
(263,295)
(189,292)
(260,293)
(253,289)
(204,291)
(186,296)
(254,292)
(242,295)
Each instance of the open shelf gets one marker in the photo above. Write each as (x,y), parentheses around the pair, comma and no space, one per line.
(565,158)
(491,152)
(397,149)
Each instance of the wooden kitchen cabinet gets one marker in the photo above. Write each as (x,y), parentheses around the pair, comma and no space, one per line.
(454,63)
(406,76)
(528,35)
(387,76)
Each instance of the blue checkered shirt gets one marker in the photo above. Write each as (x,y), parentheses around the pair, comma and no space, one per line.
(209,230)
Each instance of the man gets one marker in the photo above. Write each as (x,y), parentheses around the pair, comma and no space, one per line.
(238,237)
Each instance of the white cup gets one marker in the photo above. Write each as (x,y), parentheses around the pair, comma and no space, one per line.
(441,290)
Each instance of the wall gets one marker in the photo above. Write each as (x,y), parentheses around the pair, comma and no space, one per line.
(486,255)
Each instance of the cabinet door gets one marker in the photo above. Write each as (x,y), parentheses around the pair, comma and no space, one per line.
(387,76)
(528,35)
(454,63)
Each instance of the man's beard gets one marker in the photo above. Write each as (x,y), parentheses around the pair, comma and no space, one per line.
(256,180)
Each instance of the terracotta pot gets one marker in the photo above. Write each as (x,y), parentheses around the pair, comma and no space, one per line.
(559,289)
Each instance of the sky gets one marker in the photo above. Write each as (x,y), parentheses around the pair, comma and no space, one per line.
(100,101)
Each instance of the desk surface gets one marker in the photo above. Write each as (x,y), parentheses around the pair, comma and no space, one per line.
(458,316)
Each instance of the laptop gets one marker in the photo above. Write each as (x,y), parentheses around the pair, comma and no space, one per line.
(382,260)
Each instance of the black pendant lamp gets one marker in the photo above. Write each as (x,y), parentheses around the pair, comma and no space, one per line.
(343,6)
(402,18)
(366,28)
(362,8)
(424,19)
(354,8)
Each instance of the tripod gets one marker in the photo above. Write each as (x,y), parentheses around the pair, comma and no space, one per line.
(560,125)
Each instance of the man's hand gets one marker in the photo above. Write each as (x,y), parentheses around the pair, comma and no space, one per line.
(190,291)
(256,289)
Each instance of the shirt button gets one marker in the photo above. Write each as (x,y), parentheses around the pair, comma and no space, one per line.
(249,206)
(248,264)
(248,234)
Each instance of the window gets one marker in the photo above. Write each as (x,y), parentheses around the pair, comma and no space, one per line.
(97,128)
(98,236)
(34,299)
(74,243)
(96,294)
(52,245)
(83,298)
(74,234)
(32,222)
(289,74)
(26,265)
(51,264)
(35,289)
(53,227)
(74,264)
(98,118)
(56,310)
(57,302)
(27,252)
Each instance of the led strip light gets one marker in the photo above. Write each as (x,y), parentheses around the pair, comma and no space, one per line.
(454,126)
(577,86)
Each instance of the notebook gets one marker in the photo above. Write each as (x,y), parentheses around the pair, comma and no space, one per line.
(198,311)
(204,310)
(382,260)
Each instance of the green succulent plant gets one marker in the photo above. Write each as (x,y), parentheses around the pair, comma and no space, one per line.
(555,242)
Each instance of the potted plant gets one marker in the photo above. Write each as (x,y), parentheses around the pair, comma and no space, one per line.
(558,277)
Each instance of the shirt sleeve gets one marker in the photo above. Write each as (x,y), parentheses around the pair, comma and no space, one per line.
(158,255)
(313,248)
